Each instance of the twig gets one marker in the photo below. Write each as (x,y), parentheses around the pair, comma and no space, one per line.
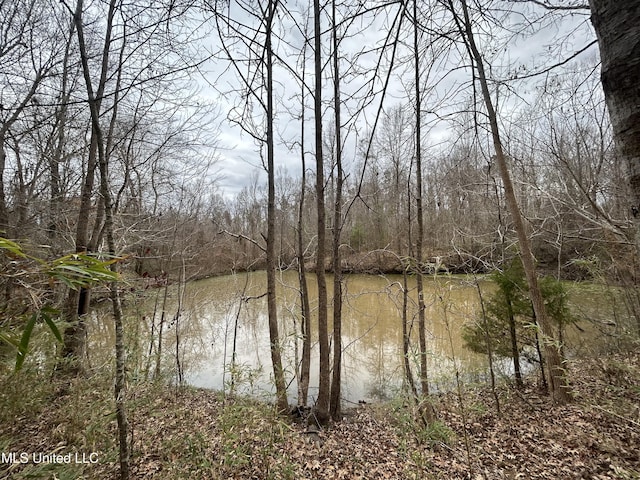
(243,237)
(617,416)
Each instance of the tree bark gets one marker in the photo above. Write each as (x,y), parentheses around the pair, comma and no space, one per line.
(96,133)
(77,305)
(406,334)
(515,352)
(305,323)
(336,380)
(422,336)
(617,26)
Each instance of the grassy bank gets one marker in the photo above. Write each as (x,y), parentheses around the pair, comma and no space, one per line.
(191,434)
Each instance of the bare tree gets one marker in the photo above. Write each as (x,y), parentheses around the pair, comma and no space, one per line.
(335,403)
(557,375)
(100,145)
(422,336)
(322,402)
(258,83)
(305,309)
(29,53)
(281,390)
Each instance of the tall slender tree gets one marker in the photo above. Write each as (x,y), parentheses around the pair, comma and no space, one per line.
(105,192)
(335,403)
(305,308)
(272,307)
(322,402)
(558,382)
(422,336)
(259,44)
(78,301)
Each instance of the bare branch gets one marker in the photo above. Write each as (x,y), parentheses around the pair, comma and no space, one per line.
(550,6)
(243,237)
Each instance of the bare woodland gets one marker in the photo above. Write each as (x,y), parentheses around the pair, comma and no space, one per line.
(409,137)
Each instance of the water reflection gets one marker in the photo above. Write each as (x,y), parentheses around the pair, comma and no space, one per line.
(227,314)
(372,333)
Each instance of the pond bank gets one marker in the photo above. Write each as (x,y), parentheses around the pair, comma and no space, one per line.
(376,262)
(194,433)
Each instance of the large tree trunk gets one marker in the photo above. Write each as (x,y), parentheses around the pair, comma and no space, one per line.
(617,26)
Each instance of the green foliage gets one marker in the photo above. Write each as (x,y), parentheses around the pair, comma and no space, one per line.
(410,424)
(435,434)
(79,270)
(556,299)
(511,298)
(251,437)
(76,415)
(76,270)
(512,291)
(11,248)
(46,314)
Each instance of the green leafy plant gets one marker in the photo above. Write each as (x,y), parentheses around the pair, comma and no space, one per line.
(45,314)
(75,270)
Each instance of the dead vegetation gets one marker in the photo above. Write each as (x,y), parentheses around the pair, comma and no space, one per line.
(194,434)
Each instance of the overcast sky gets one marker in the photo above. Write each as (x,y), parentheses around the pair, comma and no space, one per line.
(538,46)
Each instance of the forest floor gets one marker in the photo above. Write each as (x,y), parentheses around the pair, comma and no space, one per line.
(198,434)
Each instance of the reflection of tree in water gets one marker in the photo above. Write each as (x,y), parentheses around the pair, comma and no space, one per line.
(371,364)
(372,337)
(383,364)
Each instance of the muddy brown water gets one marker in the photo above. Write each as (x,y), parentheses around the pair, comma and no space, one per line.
(215,310)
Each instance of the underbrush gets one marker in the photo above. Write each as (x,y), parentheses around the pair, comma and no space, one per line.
(188,433)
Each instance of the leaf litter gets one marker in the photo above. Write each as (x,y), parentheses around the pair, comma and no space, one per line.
(199,434)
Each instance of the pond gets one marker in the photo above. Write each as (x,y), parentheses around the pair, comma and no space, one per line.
(215,311)
(372,331)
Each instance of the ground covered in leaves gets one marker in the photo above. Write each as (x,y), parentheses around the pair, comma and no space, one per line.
(198,434)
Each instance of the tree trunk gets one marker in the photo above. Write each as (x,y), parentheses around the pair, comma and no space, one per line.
(515,352)
(558,383)
(77,305)
(617,26)
(96,133)
(272,307)
(406,334)
(305,323)
(422,336)
(322,402)
(337,229)
(487,336)
(4,214)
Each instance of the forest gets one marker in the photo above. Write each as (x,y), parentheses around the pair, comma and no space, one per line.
(439,199)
